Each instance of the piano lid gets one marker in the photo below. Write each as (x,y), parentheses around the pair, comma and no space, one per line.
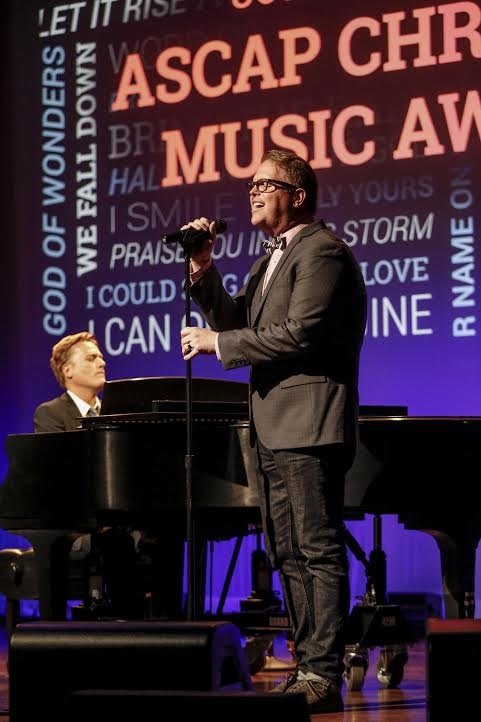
(423,463)
(138,395)
(382,410)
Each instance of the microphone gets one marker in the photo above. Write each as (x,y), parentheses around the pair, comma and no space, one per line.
(190,236)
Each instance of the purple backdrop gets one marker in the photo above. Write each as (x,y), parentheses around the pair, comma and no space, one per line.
(127,119)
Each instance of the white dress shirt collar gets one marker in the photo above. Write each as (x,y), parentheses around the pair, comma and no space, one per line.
(82,405)
(291,232)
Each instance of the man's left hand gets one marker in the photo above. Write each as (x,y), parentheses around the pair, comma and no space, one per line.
(196,340)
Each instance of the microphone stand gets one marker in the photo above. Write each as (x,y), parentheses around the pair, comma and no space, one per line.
(190,517)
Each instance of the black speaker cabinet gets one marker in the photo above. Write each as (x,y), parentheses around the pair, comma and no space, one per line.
(51,661)
(143,706)
(453,657)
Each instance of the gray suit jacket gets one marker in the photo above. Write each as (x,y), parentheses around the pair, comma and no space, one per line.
(302,338)
(59,414)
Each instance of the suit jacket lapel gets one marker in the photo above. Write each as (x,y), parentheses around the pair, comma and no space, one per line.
(254,296)
(259,297)
(254,290)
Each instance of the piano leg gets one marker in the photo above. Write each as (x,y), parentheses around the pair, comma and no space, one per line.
(200,574)
(51,552)
(458,566)
(164,549)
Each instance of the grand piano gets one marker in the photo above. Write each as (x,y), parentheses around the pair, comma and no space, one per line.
(427,470)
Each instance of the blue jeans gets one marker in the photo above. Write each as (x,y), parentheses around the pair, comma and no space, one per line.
(301,497)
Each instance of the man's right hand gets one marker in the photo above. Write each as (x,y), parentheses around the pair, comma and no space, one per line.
(200,253)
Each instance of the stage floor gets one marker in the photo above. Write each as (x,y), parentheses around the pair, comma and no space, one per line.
(373,703)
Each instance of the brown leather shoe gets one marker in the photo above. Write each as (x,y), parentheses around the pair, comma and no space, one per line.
(321,695)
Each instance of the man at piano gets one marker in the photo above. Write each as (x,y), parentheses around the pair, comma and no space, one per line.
(110,554)
(142,569)
(79,367)
(299,324)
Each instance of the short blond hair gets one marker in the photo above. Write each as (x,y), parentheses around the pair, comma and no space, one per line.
(61,352)
(298,172)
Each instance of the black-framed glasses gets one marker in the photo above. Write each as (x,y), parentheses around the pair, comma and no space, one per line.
(267,185)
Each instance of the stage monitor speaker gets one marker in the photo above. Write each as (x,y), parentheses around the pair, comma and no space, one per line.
(453,657)
(50,661)
(141,705)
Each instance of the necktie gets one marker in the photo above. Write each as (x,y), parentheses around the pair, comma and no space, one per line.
(271,244)
(278,243)
(92,411)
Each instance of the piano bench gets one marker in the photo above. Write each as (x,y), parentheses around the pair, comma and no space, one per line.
(18,581)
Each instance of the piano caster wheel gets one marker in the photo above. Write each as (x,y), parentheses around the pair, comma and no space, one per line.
(390,666)
(356,662)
